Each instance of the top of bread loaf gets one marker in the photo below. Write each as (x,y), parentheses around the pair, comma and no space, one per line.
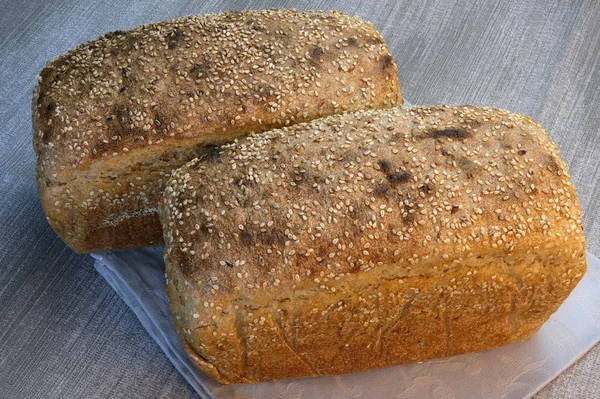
(161,83)
(349,193)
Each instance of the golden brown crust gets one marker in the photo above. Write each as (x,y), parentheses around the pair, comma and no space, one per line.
(369,239)
(129,103)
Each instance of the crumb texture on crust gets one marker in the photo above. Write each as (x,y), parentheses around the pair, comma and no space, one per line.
(369,239)
(145,101)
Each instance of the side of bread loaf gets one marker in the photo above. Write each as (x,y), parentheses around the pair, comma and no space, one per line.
(367,240)
(113,117)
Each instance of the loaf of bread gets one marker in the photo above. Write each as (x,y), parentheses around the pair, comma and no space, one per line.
(369,239)
(113,117)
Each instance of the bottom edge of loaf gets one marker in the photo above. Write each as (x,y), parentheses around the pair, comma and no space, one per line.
(375,320)
(205,367)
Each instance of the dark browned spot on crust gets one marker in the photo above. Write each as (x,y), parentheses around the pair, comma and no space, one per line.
(386,61)
(267,48)
(305,178)
(426,188)
(50,183)
(174,39)
(349,155)
(521,152)
(451,133)
(273,236)
(47,75)
(408,218)
(264,90)
(124,72)
(454,209)
(48,134)
(351,41)
(123,117)
(384,165)
(467,166)
(137,167)
(122,89)
(552,165)
(159,122)
(213,152)
(315,55)
(381,189)
(398,177)
(244,183)
(355,212)
(238,181)
(299,178)
(317,52)
(197,69)
(243,198)
(465,220)
(192,93)
(247,237)
(191,269)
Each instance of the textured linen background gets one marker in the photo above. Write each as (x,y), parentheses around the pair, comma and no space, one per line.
(65,333)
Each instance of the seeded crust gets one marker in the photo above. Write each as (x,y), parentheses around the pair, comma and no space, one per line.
(113,117)
(367,240)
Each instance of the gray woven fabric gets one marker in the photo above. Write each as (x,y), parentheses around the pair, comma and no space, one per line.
(63,331)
